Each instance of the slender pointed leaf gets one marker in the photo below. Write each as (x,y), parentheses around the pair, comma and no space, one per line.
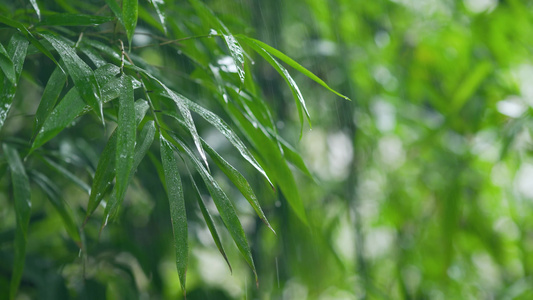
(7,65)
(74,20)
(22,197)
(280,55)
(225,207)
(125,137)
(68,175)
(53,193)
(115,8)
(209,222)
(130,13)
(17,52)
(48,100)
(81,74)
(159,9)
(36,8)
(177,208)
(105,170)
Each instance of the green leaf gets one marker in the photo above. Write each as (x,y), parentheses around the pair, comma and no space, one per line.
(72,106)
(292,155)
(53,193)
(81,74)
(291,63)
(16,50)
(113,5)
(209,221)
(29,36)
(159,9)
(68,175)
(74,20)
(221,126)
(177,208)
(105,170)
(50,95)
(7,65)
(130,12)
(299,99)
(239,181)
(225,207)
(125,137)
(36,8)
(22,198)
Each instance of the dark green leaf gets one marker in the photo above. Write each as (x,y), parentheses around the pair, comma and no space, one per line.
(17,52)
(125,137)
(48,100)
(22,197)
(7,65)
(291,63)
(130,12)
(209,221)
(36,8)
(225,207)
(74,20)
(68,175)
(81,74)
(177,208)
(159,9)
(113,5)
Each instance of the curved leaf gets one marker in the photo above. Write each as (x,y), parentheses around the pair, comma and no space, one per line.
(177,208)
(159,9)
(130,12)
(74,20)
(7,65)
(36,8)
(48,100)
(22,197)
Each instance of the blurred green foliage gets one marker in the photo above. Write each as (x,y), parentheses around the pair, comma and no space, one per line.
(419,188)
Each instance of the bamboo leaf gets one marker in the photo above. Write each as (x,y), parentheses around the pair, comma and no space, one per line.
(105,170)
(130,12)
(299,99)
(209,221)
(74,20)
(22,197)
(177,208)
(159,9)
(48,100)
(36,8)
(225,207)
(53,193)
(16,50)
(291,63)
(81,74)
(68,175)
(125,137)
(7,65)
(113,5)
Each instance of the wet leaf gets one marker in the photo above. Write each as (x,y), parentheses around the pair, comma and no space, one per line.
(125,137)
(130,12)
(225,207)
(36,8)
(177,208)
(299,99)
(16,51)
(159,9)
(291,63)
(209,222)
(68,175)
(113,5)
(7,65)
(22,199)
(81,74)
(74,20)
(48,100)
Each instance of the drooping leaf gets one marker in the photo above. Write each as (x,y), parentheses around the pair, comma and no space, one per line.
(48,100)
(22,198)
(74,20)
(145,140)
(130,12)
(72,106)
(29,36)
(225,207)
(209,222)
(36,8)
(7,65)
(292,156)
(53,193)
(125,137)
(177,208)
(159,9)
(221,126)
(16,51)
(299,99)
(105,170)
(113,5)
(280,55)
(81,74)
(67,174)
